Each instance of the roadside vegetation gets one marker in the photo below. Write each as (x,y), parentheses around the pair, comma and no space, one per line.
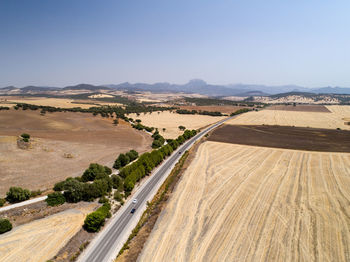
(241,111)
(153,207)
(5,225)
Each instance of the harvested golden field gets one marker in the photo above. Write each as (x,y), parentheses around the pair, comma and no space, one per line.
(246,203)
(171,122)
(41,239)
(333,120)
(55,102)
(63,145)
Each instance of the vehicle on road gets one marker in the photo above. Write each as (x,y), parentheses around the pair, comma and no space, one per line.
(133,210)
(179,152)
(134,201)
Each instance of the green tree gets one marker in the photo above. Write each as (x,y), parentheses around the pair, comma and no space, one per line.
(182,128)
(2,202)
(55,199)
(25,135)
(94,221)
(74,191)
(5,225)
(117,181)
(17,194)
(118,196)
(115,122)
(124,159)
(93,171)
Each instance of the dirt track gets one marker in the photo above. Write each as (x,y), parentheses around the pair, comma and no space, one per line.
(333,120)
(299,138)
(245,203)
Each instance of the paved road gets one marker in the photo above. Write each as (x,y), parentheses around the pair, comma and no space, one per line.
(108,243)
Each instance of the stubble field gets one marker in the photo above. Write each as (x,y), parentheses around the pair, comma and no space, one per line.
(82,137)
(55,102)
(247,203)
(171,121)
(41,239)
(335,119)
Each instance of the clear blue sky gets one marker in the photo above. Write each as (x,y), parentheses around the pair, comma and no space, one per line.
(64,42)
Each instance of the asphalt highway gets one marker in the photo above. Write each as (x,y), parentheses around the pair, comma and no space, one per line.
(103,248)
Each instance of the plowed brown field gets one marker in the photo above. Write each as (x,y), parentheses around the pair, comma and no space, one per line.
(246,203)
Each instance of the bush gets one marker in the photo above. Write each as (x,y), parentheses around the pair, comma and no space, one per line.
(2,202)
(17,194)
(94,171)
(25,136)
(103,200)
(55,199)
(35,193)
(59,186)
(124,159)
(118,196)
(116,181)
(5,225)
(73,191)
(95,220)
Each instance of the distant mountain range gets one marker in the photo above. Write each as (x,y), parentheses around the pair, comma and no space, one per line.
(197,86)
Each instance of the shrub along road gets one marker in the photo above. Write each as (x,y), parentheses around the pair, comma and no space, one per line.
(107,244)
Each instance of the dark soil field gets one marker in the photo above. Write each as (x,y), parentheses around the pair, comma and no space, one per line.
(300,108)
(298,138)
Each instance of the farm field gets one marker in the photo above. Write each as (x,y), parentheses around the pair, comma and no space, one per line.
(41,239)
(171,121)
(222,109)
(55,102)
(300,108)
(247,203)
(84,138)
(301,138)
(336,119)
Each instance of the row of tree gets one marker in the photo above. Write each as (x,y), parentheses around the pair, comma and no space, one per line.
(95,220)
(124,159)
(194,112)
(104,111)
(148,161)
(240,111)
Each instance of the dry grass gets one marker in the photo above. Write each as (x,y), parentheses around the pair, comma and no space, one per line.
(244,203)
(332,120)
(171,122)
(55,102)
(87,138)
(42,239)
